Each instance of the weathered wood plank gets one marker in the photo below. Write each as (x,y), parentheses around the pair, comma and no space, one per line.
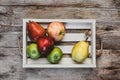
(109,74)
(9,28)
(15,14)
(106,26)
(11,68)
(62,74)
(110,39)
(11,2)
(12,28)
(109,59)
(10,58)
(117,3)
(2,29)
(9,40)
(104,74)
(3,10)
(107,14)
(76,3)
(79,13)
(108,66)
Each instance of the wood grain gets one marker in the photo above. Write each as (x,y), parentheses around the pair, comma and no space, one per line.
(109,59)
(3,10)
(12,20)
(104,74)
(12,69)
(9,40)
(110,39)
(107,14)
(10,64)
(106,26)
(73,3)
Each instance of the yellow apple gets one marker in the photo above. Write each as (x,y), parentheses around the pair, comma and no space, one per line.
(56,30)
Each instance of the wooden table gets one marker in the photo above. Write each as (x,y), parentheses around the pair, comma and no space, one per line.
(107,14)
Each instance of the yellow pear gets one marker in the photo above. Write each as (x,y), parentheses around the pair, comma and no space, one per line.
(80,51)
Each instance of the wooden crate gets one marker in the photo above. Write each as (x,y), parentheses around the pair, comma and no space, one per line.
(75,32)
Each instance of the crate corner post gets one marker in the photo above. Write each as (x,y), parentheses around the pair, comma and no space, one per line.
(24,42)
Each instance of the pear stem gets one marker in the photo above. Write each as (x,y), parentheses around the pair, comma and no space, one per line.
(27,22)
(87,33)
(30,21)
(86,39)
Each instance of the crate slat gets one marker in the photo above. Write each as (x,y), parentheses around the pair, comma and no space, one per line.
(68,48)
(61,20)
(71,25)
(72,37)
(75,37)
(44,61)
(59,66)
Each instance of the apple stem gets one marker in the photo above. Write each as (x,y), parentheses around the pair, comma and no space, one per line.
(61,33)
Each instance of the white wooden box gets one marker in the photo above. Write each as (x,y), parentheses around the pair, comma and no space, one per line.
(77,27)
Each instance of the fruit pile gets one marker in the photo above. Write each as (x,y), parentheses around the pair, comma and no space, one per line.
(43,41)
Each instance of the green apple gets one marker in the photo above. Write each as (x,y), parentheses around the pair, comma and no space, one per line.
(33,52)
(55,55)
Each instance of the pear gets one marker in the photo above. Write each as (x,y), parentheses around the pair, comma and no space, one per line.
(80,51)
(35,31)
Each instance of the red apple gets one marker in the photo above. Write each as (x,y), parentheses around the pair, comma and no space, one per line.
(56,30)
(45,45)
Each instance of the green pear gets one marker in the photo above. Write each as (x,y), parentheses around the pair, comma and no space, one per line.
(80,51)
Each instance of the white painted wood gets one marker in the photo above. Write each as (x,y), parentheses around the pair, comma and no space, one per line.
(68,48)
(24,43)
(73,37)
(62,20)
(69,25)
(78,25)
(59,66)
(93,43)
(65,62)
